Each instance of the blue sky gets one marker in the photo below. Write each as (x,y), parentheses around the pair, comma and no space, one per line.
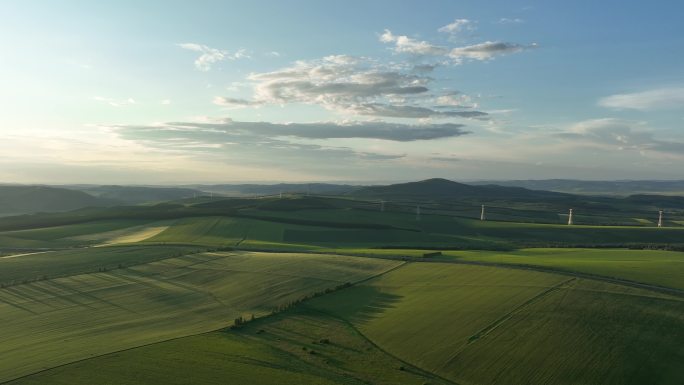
(179,92)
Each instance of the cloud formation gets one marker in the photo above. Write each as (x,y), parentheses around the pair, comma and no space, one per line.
(349,85)
(230,131)
(622,135)
(210,56)
(411,112)
(481,51)
(405,44)
(487,50)
(304,146)
(657,99)
(457,26)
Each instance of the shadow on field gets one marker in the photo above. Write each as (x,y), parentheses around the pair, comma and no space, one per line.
(361,304)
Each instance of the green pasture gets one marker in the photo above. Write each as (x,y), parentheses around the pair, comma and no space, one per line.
(488,325)
(18,268)
(656,267)
(295,348)
(62,320)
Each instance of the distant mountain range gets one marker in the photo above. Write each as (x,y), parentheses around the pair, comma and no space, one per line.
(439,189)
(18,199)
(275,189)
(133,195)
(627,187)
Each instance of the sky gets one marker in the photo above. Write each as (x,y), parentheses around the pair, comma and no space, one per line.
(171,92)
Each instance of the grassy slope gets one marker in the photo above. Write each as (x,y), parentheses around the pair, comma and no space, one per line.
(280,355)
(443,230)
(326,227)
(56,321)
(53,264)
(655,267)
(219,231)
(588,333)
(68,235)
(471,324)
(663,268)
(410,311)
(482,325)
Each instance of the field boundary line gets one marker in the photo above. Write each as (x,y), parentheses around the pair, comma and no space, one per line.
(87,272)
(358,332)
(496,323)
(577,274)
(221,329)
(520,266)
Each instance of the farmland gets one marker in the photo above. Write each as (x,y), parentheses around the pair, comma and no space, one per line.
(427,323)
(307,223)
(654,267)
(90,314)
(504,323)
(389,297)
(286,347)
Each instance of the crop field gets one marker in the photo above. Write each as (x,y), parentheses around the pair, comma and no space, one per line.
(295,348)
(586,333)
(37,266)
(56,321)
(423,322)
(441,300)
(486,325)
(218,231)
(69,235)
(146,297)
(656,267)
(404,228)
(311,223)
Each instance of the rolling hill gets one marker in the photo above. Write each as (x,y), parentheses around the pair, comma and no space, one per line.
(275,189)
(618,187)
(133,195)
(34,199)
(441,189)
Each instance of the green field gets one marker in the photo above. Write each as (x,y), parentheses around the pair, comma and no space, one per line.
(22,268)
(79,234)
(485,325)
(61,320)
(307,223)
(146,295)
(657,267)
(423,322)
(285,349)
(654,267)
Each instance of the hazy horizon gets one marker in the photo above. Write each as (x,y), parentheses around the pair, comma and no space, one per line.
(220,92)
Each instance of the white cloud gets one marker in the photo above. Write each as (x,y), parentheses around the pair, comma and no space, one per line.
(166,102)
(657,99)
(411,112)
(210,56)
(482,51)
(487,50)
(621,134)
(404,44)
(235,102)
(232,132)
(348,85)
(458,25)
